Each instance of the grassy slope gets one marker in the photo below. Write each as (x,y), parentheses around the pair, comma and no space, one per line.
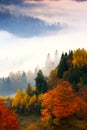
(74,124)
(71,124)
(26,120)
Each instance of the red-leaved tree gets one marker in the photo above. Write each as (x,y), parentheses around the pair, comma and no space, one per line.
(8,118)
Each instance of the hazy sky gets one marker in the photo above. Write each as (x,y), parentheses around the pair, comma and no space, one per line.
(29,30)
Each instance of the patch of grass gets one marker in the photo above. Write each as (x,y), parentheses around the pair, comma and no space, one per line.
(80,124)
(72,123)
(26,120)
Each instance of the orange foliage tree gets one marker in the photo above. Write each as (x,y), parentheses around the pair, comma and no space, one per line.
(8,118)
(53,79)
(60,103)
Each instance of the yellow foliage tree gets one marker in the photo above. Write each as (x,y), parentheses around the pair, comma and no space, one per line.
(33,99)
(21,99)
(17,100)
(80,58)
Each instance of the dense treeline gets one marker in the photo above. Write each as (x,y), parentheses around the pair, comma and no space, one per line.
(58,97)
(20,79)
(10,84)
(73,68)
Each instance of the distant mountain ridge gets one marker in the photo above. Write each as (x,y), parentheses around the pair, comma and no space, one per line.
(25,26)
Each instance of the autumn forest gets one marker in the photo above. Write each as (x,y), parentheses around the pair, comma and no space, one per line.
(56,102)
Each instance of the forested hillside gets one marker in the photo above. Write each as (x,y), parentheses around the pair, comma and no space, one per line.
(59,100)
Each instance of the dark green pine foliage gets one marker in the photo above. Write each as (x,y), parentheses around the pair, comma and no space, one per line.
(70,58)
(65,63)
(29,90)
(41,84)
(84,69)
(74,76)
(84,74)
(84,77)
(62,65)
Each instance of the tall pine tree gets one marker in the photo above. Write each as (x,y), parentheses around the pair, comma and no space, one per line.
(41,84)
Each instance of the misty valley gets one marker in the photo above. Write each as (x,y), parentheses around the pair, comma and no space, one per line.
(43,64)
(20,79)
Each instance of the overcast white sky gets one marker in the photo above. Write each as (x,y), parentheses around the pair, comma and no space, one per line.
(17,53)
